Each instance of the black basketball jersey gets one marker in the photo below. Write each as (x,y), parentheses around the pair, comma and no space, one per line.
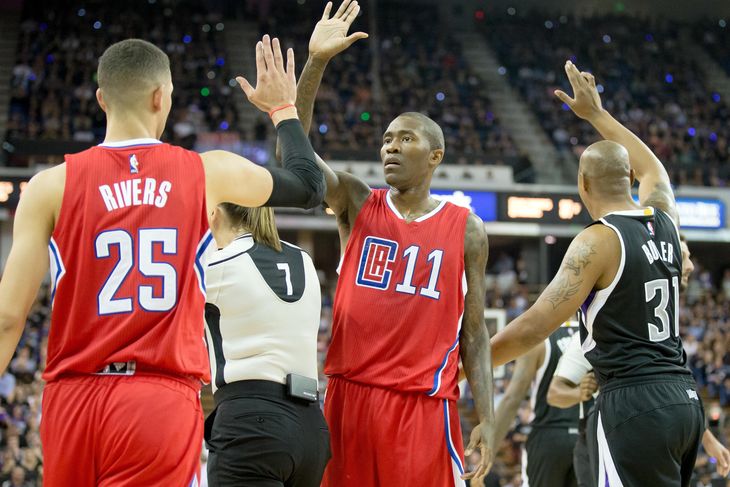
(631,328)
(544,415)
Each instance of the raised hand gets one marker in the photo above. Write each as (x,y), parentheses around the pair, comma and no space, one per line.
(275,85)
(587,101)
(330,34)
(482,437)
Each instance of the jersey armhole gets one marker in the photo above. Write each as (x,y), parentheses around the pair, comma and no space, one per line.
(622,262)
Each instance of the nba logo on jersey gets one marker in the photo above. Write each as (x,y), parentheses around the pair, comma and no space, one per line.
(133,164)
(377,255)
(650,227)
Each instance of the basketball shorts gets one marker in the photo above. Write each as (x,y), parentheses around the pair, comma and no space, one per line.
(648,432)
(381,438)
(547,458)
(121,431)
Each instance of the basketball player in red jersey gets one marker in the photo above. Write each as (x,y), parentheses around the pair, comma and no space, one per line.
(409,302)
(126,222)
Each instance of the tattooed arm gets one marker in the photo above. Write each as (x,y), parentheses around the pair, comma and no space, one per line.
(474,343)
(590,262)
(654,184)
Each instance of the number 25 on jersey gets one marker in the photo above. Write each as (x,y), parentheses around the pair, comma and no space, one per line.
(107,303)
(377,256)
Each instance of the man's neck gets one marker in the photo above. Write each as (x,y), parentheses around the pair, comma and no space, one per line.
(624,204)
(413,202)
(127,128)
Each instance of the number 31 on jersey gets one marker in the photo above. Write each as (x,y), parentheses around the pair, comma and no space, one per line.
(378,254)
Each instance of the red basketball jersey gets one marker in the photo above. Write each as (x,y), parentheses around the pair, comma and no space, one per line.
(400,300)
(127,275)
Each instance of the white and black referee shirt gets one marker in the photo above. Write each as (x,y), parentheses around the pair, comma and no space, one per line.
(262,313)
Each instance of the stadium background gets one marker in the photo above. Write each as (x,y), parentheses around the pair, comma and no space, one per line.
(485,70)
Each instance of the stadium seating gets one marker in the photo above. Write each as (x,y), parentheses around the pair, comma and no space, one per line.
(649,82)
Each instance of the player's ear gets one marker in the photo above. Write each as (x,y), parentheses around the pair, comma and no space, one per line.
(436,157)
(100,99)
(157,98)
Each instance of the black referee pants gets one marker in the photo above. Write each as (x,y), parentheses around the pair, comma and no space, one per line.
(258,436)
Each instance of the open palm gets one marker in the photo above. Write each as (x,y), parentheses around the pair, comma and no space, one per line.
(330,34)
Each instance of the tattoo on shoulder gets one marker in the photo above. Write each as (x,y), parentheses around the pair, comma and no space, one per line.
(569,282)
(579,257)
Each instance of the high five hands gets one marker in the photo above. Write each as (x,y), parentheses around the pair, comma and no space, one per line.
(330,34)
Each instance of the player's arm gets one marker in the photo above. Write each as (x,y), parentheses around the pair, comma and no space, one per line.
(345,192)
(654,184)
(231,178)
(571,383)
(522,376)
(586,261)
(716,450)
(474,343)
(27,262)
(565,394)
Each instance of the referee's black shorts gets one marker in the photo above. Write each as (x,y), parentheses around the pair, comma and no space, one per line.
(648,431)
(258,436)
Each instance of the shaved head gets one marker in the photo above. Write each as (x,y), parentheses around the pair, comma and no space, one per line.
(431,129)
(606,165)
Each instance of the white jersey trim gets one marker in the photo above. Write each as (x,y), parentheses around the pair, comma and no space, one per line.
(58,270)
(601,297)
(131,143)
(425,217)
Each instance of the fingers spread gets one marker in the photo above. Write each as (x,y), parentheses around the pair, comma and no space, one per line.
(327,10)
(343,8)
(268,53)
(352,13)
(245,85)
(290,73)
(564,97)
(278,59)
(260,62)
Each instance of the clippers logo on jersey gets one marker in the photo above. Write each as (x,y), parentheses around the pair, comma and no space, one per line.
(133,164)
(377,256)
(650,227)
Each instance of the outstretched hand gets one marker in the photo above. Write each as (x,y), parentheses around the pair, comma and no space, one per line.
(482,437)
(275,85)
(587,101)
(330,34)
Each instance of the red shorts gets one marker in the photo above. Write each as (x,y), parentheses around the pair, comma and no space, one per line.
(114,431)
(381,438)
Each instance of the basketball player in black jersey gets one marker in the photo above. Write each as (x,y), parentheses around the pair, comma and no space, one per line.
(547,458)
(623,272)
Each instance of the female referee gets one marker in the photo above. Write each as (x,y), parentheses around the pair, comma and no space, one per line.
(262,316)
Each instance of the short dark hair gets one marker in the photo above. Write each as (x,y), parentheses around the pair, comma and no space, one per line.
(433,132)
(129,67)
(682,237)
